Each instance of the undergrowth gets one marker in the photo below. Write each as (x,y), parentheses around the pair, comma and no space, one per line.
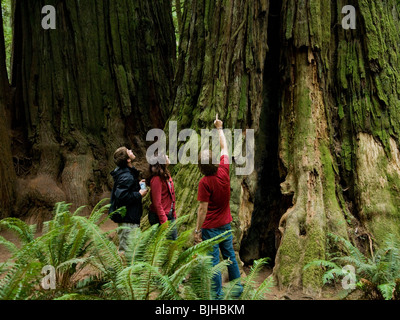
(377,277)
(88,265)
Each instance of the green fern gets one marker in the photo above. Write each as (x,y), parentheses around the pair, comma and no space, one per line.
(153,267)
(387,290)
(25,232)
(250,289)
(76,296)
(20,281)
(377,276)
(330,276)
(11,247)
(65,245)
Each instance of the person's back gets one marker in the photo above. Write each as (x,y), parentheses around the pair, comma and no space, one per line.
(216,190)
(214,214)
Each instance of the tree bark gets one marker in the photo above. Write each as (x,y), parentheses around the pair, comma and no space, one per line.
(100,80)
(339,116)
(7,173)
(178,8)
(324,104)
(220,69)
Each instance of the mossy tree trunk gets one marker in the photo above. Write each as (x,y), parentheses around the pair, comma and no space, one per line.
(324,104)
(221,69)
(100,80)
(338,130)
(7,173)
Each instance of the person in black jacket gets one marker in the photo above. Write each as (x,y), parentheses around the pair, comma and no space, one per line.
(126,193)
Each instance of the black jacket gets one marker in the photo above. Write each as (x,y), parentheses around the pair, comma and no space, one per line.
(126,194)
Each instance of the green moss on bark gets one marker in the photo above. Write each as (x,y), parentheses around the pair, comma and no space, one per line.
(314,250)
(289,257)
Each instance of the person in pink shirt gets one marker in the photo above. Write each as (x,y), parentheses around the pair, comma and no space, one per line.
(162,193)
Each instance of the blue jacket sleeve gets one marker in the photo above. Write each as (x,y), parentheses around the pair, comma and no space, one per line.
(124,193)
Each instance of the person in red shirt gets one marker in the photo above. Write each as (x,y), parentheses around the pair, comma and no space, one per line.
(162,193)
(214,213)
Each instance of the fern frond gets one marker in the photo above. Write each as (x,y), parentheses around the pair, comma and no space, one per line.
(387,290)
(11,247)
(76,296)
(104,250)
(6,266)
(249,281)
(348,246)
(25,232)
(69,264)
(321,263)
(79,210)
(20,280)
(177,278)
(98,211)
(203,247)
(264,287)
(175,248)
(138,243)
(332,275)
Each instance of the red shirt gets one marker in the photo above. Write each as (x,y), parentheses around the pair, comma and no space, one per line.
(216,190)
(161,197)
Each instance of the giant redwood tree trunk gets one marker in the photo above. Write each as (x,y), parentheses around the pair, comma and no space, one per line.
(324,103)
(222,54)
(100,80)
(339,130)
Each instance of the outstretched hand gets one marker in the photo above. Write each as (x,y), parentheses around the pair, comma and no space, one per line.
(218,123)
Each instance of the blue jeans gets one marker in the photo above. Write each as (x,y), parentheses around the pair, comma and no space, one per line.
(227,251)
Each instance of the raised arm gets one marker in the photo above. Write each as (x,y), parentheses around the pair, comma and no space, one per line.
(222,140)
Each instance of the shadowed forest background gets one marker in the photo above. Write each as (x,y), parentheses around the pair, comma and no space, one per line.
(324,103)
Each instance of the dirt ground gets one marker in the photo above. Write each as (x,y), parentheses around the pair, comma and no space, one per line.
(274,294)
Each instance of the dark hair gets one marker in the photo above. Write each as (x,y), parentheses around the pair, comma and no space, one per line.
(160,168)
(205,163)
(121,157)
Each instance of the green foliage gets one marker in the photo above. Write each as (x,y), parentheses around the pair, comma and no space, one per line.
(377,276)
(64,245)
(153,267)
(252,291)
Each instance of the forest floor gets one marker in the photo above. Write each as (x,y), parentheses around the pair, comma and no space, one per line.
(274,294)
